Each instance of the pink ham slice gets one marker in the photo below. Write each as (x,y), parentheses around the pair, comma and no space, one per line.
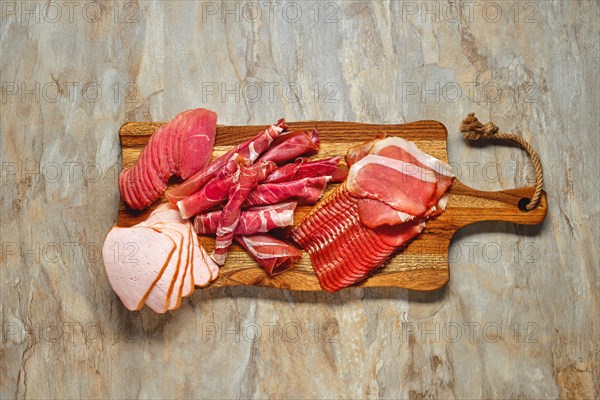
(159,297)
(306,190)
(253,220)
(202,274)
(135,259)
(250,149)
(274,255)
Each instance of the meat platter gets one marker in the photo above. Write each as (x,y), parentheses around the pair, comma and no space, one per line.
(422,265)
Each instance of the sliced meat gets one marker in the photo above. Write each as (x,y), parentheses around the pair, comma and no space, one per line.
(303,168)
(201,271)
(160,296)
(135,259)
(404,150)
(249,177)
(403,186)
(197,137)
(250,149)
(181,147)
(374,213)
(253,220)
(306,190)
(214,192)
(274,255)
(291,145)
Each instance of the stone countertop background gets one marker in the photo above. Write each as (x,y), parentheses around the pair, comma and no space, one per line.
(520,314)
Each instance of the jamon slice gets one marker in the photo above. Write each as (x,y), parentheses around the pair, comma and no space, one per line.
(248,178)
(250,149)
(374,213)
(403,186)
(404,150)
(290,145)
(359,151)
(253,220)
(135,259)
(274,255)
(306,190)
(303,168)
(214,192)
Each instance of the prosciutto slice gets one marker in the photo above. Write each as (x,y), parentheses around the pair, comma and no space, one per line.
(214,192)
(274,255)
(250,149)
(248,178)
(303,168)
(403,186)
(253,220)
(291,145)
(306,190)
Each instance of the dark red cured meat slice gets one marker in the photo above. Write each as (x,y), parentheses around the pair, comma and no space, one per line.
(306,190)
(291,145)
(131,188)
(158,185)
(406,187)
(139,187)
(122,180)
(197,137)
(160,164)
(148,189)
(374,213)
(274,255)
(163,145)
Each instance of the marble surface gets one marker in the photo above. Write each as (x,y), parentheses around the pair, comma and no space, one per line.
(520,315)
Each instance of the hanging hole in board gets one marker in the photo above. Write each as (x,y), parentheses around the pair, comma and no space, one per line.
(523,204)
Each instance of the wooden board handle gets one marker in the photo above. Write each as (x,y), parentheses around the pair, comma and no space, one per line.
(505,205)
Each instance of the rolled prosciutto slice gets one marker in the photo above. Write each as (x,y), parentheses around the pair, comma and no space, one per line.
(303,168)
(251,149)
(214,192)
(274,255)
(291,145)
(306,190)
(248,178)
(253,220)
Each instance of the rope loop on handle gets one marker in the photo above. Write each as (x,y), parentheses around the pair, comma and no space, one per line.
(472,129)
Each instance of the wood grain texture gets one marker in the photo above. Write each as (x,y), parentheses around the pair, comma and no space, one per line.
(422,265)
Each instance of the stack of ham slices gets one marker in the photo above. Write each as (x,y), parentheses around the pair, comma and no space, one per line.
(157,262)
(392,189)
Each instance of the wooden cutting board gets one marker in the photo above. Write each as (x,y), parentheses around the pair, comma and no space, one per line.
(423,265)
